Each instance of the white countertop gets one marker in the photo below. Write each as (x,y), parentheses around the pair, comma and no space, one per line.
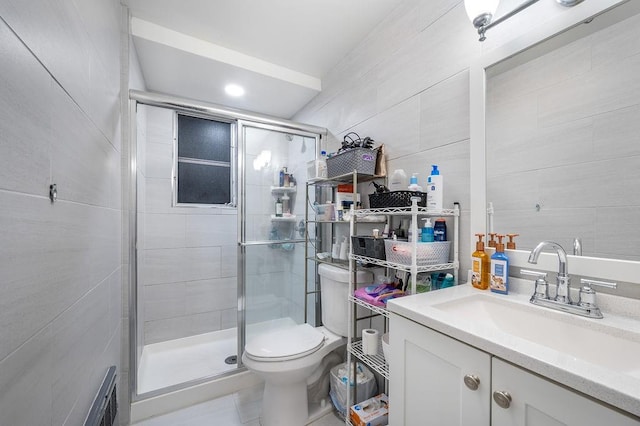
(617,388)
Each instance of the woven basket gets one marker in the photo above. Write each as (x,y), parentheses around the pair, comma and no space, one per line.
(362,160)
(396,199)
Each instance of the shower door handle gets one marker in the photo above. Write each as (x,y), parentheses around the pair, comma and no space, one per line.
(266,242)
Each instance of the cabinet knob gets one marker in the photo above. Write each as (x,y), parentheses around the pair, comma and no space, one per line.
(502,398)
(472,382)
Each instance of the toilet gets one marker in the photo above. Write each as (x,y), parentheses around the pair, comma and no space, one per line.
(288,358)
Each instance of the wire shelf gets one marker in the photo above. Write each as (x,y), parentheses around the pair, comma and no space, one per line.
(407,211)
(376,309)
(375,362)
(403,267)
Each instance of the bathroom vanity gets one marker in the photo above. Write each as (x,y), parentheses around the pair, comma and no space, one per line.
(469,357)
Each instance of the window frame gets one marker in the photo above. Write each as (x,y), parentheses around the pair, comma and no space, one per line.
(233,175)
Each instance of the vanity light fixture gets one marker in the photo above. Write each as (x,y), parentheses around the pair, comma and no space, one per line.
(234,90)
(481,12)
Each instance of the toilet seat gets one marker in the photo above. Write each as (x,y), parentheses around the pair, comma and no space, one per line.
(283,345)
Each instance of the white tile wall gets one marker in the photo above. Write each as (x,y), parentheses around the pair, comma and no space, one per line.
(60,299)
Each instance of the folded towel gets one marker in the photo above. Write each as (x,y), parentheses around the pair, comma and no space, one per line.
(378,295)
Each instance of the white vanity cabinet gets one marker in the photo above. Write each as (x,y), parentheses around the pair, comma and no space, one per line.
(427,385)
(433,377)
(536,401)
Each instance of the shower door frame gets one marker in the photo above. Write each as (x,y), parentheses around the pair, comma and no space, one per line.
(213,111)
(242,193)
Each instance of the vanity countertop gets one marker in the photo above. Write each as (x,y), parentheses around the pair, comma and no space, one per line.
(601,379)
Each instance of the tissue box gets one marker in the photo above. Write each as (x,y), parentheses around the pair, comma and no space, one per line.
(372,412)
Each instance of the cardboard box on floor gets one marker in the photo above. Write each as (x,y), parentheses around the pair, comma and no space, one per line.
(372,412)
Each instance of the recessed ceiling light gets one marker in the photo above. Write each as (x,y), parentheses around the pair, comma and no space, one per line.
(234,90)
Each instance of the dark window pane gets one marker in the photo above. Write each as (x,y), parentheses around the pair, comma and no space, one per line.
(204,139)
(203,184)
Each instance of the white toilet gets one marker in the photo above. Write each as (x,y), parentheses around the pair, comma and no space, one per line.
(288,358)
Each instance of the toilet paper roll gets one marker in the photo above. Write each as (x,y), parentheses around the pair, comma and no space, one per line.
(370,341)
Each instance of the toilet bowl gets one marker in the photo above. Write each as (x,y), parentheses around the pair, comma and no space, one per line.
(288,357)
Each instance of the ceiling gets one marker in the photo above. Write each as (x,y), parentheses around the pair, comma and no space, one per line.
(278,50)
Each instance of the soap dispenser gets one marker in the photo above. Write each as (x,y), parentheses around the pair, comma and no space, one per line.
(492,241)
(480,266)
(499,269)
(413,183)
(435,189)
(427,231)
(511,245)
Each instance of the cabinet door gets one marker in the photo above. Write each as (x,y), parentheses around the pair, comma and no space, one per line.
(427,378)
(538,402)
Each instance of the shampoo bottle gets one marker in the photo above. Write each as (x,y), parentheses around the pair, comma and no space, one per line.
(427,231)
(278,207)
(499,269)
(480,266)
(435,189)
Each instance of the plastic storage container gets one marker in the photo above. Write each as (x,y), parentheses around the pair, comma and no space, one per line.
(427,253)
(368,246)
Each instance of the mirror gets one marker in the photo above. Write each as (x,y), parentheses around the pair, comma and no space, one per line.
(562,147)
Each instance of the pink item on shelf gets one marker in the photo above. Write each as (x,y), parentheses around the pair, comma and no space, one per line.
(378,295)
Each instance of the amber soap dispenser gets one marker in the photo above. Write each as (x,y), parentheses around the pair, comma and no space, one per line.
(480,266)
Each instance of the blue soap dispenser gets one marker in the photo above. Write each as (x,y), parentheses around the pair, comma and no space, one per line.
(499,269)
(427,231)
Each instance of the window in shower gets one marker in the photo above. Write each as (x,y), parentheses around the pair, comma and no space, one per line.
(204,168)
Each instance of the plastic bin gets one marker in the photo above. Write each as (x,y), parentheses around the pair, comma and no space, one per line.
(362,160)
(396,199)
(367,385)
(434,253)
(368,246)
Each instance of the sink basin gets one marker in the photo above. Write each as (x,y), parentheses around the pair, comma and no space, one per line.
(586,339)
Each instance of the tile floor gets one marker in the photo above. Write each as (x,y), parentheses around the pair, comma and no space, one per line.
(240,409)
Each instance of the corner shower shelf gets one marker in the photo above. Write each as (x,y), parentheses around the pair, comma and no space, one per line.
(282,189)
(275,218)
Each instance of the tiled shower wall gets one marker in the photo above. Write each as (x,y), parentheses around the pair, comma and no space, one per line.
(60,263)
(187,255)
(562,134)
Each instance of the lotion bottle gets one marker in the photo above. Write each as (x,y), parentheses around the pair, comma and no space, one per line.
(435,189)
(499,269)
(480,266)
(413,183)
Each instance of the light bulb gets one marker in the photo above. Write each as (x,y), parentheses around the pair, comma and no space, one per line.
(234,90)
(480,9)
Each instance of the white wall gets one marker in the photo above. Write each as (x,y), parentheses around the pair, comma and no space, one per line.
(61,279)
(407,86)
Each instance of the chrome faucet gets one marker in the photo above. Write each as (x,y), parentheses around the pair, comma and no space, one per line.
(563,280)
(586,306)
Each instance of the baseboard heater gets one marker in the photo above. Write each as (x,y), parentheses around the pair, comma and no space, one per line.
(104,411)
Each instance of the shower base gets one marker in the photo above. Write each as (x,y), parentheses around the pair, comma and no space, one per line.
(178,361)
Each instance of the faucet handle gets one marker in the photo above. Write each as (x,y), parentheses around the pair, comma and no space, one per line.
(541,290)
(589,282)
(588,294)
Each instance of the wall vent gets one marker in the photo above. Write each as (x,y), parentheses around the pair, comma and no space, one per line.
(104,411)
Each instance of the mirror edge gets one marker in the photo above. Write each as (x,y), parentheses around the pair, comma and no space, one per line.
(594,267)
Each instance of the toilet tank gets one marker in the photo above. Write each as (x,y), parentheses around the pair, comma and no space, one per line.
(334,287)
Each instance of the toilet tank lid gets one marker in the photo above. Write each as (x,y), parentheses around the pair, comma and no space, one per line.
(341,274)
(286,342)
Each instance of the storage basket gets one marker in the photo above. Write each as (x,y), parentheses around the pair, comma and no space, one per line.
(434,253)
(380,200)
(362,160)
(368,246)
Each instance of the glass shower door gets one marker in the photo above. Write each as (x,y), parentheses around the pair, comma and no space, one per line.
(271,243)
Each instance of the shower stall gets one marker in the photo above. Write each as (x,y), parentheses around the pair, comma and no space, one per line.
(214,261)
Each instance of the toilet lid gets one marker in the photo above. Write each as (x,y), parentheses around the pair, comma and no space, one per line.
(289,343)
